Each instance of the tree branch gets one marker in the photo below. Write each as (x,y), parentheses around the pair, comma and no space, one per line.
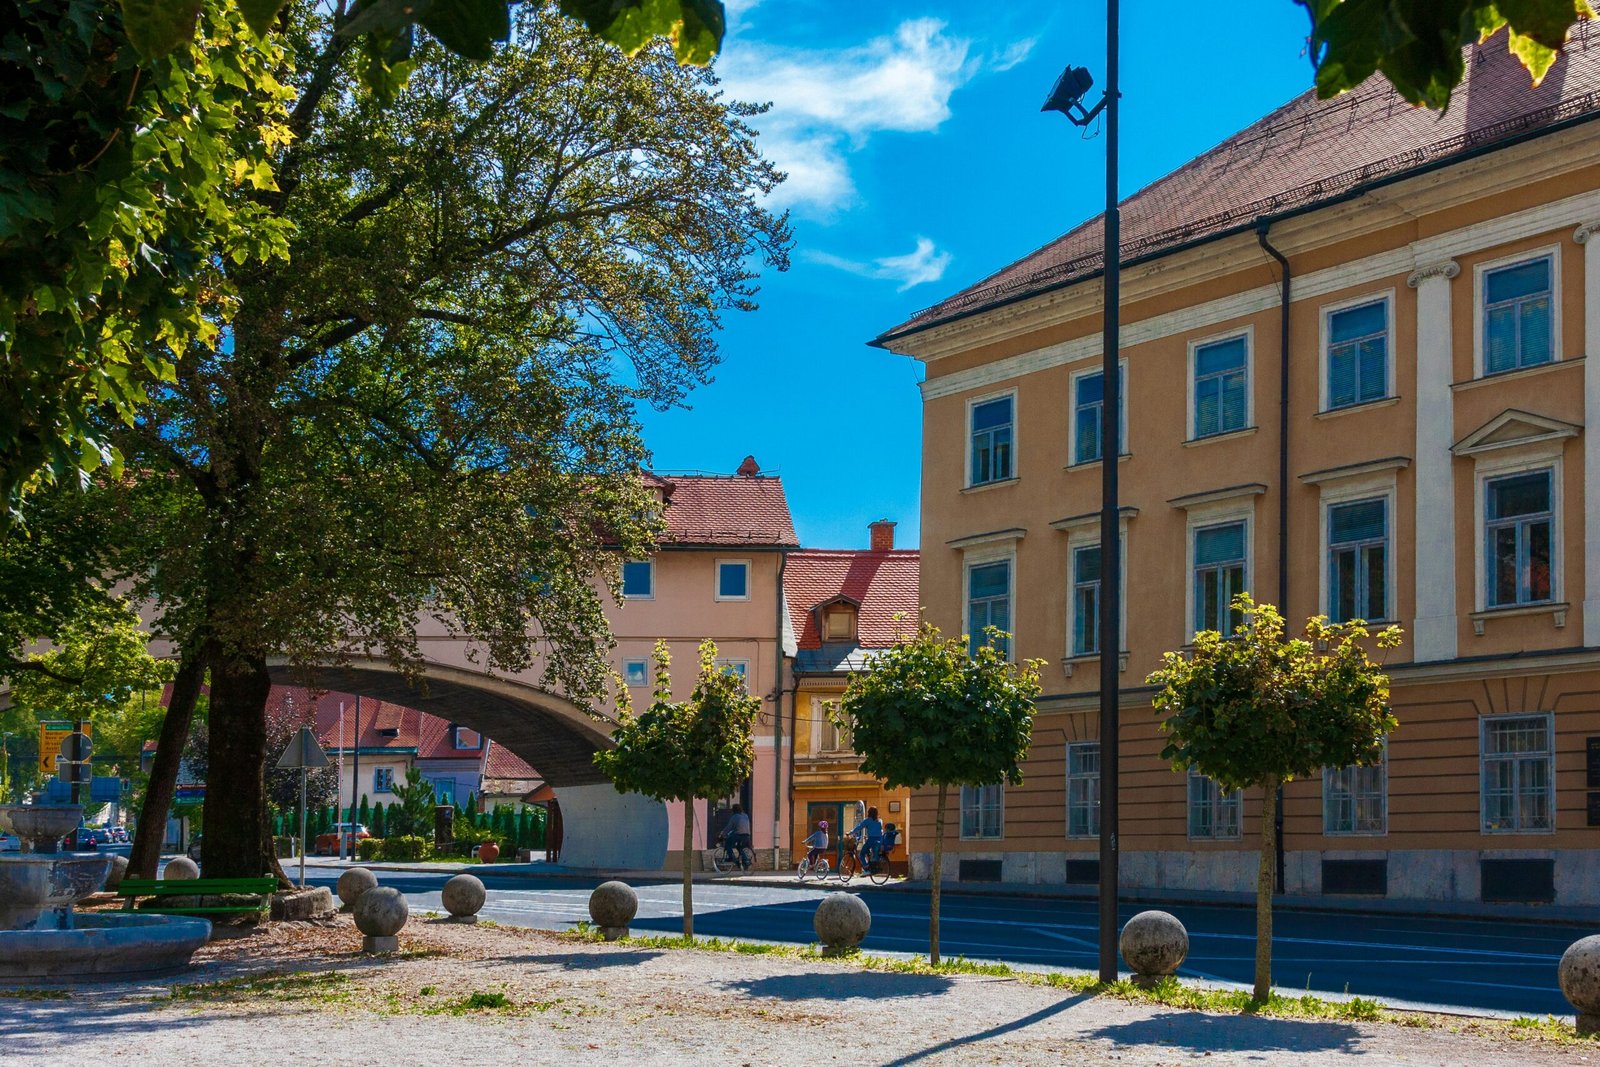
(10,666)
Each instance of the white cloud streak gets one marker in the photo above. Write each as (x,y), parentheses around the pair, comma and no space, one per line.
(925,263)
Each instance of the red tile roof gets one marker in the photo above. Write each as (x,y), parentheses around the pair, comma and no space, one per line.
(1307,152)
(428,735)
(883,583)
(740,509)
(504,763)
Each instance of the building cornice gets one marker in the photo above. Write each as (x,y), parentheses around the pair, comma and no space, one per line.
(1356,470)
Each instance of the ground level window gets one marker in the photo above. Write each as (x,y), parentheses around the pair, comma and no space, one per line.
(1083,789)
(982,811)
(1518,764)
(1355,800)
(1213,812)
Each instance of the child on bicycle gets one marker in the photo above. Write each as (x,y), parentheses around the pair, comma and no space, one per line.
(816,843)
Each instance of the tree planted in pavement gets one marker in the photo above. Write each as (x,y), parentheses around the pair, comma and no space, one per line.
(696,749)
(930,713)
(1256,710)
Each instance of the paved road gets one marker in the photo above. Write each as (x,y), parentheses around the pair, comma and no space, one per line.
(1466,963)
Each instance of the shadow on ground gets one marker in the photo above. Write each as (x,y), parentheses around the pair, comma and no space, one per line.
(968,1041)
(585,961)
(843,985)
(1199,1033)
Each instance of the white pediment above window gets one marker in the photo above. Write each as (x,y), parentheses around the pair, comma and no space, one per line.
(1513,429)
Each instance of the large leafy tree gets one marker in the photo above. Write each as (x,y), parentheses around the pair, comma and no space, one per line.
(926,713)
(1417,44)
(1254,710)
(128,125)
(428,409)
(685,751)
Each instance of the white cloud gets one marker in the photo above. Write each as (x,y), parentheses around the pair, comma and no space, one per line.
(925,263)
(1013,54)
(828,102)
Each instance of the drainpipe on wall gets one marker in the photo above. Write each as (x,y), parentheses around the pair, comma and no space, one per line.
(777,718)
(1262,227)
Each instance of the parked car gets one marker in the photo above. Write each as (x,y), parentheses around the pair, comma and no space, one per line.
(10,842)
(119,834)
(328,844)
(103,836)
(80,840)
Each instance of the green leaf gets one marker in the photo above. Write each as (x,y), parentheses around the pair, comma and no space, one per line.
(468,28)
(383,17)
(259,14)
(156,27)
(695,27)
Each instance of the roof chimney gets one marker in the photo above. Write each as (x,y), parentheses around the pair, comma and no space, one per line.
(882,535)
(749,468)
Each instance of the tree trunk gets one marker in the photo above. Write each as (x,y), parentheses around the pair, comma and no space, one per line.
(938,876)
(237,840)
(688,869)
(151,830)
(1264,884)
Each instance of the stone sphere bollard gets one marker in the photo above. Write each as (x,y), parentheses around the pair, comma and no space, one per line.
(379,914)
(1153,944)
(1579,974)
(181,868)
(842,920)
(612,906)
(119,871)
(353,883)
(463,898)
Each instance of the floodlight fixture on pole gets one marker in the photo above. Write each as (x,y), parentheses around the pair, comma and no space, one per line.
(1067,98)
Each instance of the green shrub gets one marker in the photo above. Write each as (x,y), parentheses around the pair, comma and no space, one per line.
(285,846)
(405,847)
(369,848)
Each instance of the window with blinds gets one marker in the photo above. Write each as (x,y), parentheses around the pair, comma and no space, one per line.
(1518,327)
(991,441)
(1358,354)
(1088,415)
(1220,383)
(1358,550)
(988,603)
(1219,562)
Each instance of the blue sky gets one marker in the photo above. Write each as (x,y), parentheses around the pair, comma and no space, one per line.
(919,163)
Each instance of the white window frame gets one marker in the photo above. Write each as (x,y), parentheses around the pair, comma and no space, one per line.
(1480,274)
(741,667)
(1327,793)
(1073,459)
(1483,764)
(1220,513)
(716,578)
(636,596)
(1526,460)
(1094,808)
(999,807)
(643,664)
(1325,345)
(966,441)
(982,557)
(1088,536)
(1235,797)
(1349,492)
(1248,332)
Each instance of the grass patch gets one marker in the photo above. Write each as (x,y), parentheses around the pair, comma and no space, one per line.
(300,985)
(35,994)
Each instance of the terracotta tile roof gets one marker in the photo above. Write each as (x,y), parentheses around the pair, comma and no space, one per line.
(1307,152)
(704,509)
(415,731)
(884,584)
(504,763)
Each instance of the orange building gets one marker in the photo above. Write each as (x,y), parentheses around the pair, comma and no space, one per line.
(1439,422)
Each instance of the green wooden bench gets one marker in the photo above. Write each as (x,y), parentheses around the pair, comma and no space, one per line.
(133,888)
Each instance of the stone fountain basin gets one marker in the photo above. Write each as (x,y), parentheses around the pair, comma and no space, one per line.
(45,880)
(103,947)
(41,822)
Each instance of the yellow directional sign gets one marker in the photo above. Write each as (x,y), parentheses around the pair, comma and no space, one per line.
(51,734)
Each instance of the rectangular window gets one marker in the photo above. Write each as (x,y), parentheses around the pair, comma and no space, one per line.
(988,602)
(1088,410)
(733,580)
(835,738)
(839,623)
(741,667)
(1212,812)
(1220,387)
(1083,789)
(982,811)
(1518,774)
(1358,554)
(1086,600)
(383,780)
(639,579)
(991,441)
(1518,530)
(636,672)
(1358,354)
(1219,559)
(1518,328)
(1355,800)
(463,738)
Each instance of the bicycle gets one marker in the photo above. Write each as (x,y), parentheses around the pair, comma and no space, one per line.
(727,856)
(877,868)
(807,865)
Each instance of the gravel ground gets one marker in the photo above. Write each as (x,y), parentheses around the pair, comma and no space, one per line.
(299,993)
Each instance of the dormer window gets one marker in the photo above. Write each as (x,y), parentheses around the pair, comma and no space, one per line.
(838,621)
(464,739)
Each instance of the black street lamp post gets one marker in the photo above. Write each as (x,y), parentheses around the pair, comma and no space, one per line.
(1067,98)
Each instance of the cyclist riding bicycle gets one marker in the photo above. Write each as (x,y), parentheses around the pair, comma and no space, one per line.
(869,832)
(816,843)
(737,831)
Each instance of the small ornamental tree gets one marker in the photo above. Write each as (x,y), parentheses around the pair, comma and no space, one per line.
(929,713)
(414,811)
(684,750)
(1257,710)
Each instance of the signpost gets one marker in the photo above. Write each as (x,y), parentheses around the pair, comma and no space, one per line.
(303,752)
(51,734)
